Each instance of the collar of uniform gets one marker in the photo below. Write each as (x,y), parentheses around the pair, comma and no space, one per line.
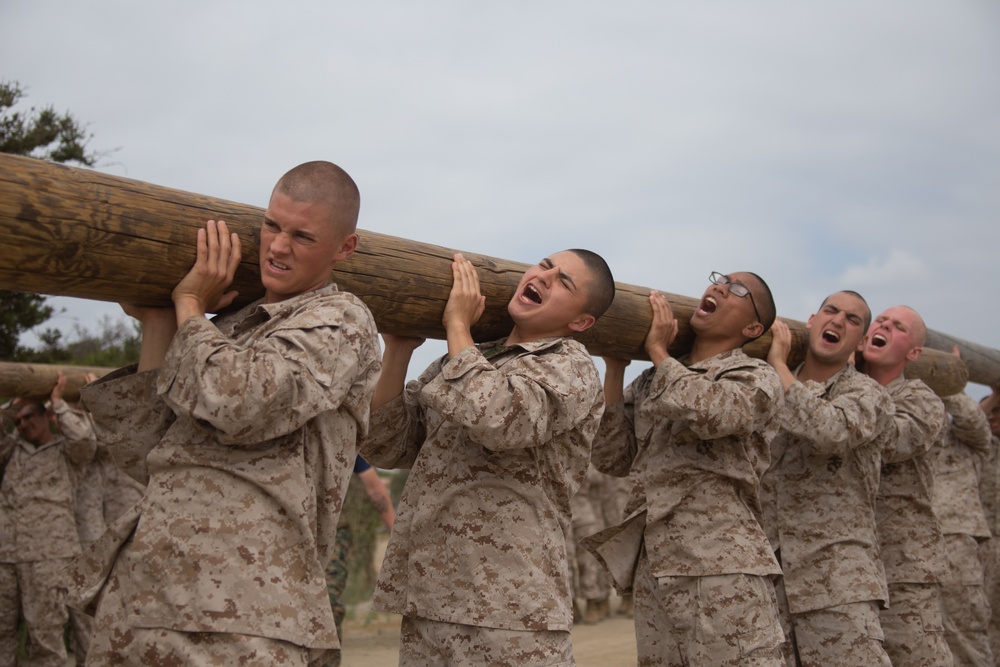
(497,347)
(33,449)
(254,313)
(723,359)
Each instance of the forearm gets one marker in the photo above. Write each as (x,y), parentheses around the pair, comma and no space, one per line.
(157,333)
(968,423)
(784,374)
(395,362)
(379,496)
(75,425)
(459,338)
(614,381)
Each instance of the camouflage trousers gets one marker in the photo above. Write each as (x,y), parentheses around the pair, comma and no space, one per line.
(81,629)
(115,642)
(336,583)
(33,590)
(845,635)
(965,606)
(990,559)
(841,636)
(724,620)
(590,579)
(426,643)
(914,627)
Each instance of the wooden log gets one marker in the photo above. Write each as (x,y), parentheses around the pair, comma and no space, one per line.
(86,234)
(35,381)
(982,362)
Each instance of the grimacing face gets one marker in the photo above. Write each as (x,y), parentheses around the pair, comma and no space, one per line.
(33,425)
(838,329)
(551,297)
(893,337)
(299,247)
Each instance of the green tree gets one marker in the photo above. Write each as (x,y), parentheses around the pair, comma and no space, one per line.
(48,135)
(19,312)
(43,133)
(115,344)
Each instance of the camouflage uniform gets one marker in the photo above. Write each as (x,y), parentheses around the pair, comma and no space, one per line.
(956,502)
(696,440)
(76,425)
(245,437)
(590,579)
(337,569)
(989,550)
(819,513)
(498,439)
(121,492)
(912,545)
(38,525)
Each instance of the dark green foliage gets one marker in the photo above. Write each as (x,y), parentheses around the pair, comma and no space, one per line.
(41,133)
(19,312)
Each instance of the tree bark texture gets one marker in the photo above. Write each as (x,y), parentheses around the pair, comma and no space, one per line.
(77,232)
(35,381)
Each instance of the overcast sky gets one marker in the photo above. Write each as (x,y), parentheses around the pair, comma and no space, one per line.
(850,144)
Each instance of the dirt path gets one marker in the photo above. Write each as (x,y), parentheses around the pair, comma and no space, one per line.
(372,640)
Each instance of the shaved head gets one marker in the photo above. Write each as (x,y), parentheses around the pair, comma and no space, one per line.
(321,182)
(601,290)
(868,310)
(919,326)
(764,301)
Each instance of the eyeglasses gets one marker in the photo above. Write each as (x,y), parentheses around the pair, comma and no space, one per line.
(736,289)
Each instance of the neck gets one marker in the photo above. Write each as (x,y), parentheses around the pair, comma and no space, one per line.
(884,374)
(706,349)
(518,336)
(819,371)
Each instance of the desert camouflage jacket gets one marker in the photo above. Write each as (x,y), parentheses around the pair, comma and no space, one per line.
(819,494)
(246,438)
(912,543)
(958,467)
(696,439)
(498,439)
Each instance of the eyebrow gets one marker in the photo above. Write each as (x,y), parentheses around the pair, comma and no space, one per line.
(547,263)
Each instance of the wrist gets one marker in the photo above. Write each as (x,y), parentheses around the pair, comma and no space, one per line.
(658,355)
(186,307)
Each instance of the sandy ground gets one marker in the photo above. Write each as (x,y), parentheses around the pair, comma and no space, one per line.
(372,640)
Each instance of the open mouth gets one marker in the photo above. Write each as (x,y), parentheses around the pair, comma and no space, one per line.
(831,336)
(531,294)
(708,305)
(878,340)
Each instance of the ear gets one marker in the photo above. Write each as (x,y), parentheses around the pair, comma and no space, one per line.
(347,248)
(914,354)
(862,344)
(809,322)
(753,331)
(582,323)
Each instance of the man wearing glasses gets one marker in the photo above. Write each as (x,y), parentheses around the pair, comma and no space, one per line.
(695,434)
(40,473)
(819,493)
